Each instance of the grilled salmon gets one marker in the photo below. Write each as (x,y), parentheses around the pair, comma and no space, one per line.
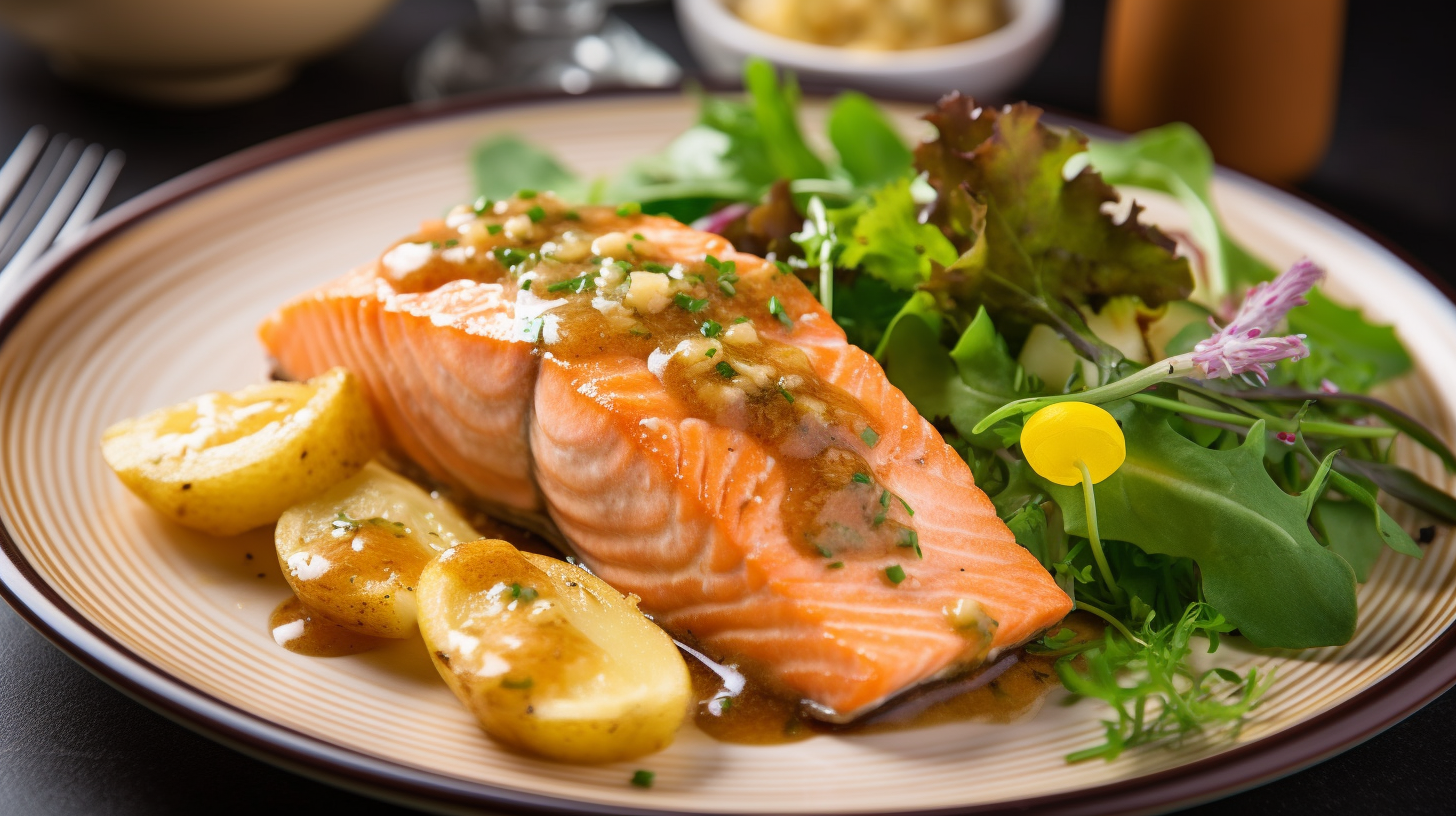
(696,427)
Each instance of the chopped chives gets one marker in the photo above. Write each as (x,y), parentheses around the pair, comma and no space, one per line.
(481,205)
(711,328)
(526,193)
(725,371)
(824,551)
(656,267)
(494,229)
(786,394)
(783,268)
(572,215)
(895,573)
(639,236)
(727,287)
(710,352)
(688,302)
(577,284)
(513,257)
(885,499)
(451,242)
(837,565)
(525,284)
(740,319)
(869,436)
(910,538)
(776,308)
(630,208)
(862,478)
(907,507)
(643,779)
(537,214)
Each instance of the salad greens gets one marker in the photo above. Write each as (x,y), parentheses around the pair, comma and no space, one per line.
(982,269)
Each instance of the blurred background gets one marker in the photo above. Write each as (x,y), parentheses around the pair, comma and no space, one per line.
(1348,103)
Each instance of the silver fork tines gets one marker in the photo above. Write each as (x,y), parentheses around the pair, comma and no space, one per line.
(49,191)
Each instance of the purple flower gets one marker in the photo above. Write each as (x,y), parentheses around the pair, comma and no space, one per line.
(1242,346)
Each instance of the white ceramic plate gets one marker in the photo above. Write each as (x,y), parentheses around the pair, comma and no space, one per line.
(160,303)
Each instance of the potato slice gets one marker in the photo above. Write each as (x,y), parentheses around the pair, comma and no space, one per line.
(354,554)
(226,463)
(548,657)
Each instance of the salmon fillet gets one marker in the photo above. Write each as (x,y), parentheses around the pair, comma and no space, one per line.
(697,428)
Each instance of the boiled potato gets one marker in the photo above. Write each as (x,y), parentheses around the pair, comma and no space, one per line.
(354,554)
(548,657)
(225,463)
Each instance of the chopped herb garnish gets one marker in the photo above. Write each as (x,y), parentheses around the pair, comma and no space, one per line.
(630,208)
(836,565)
(862,478)
(434,245)
(690,303)
(711,328)
(910,538)
(643,779)
(724,704)
(783,268)
(895,573)
(577,284)
(656,267)
(511,256)
(784,392)
(525,193)
(726,371)
(452,242)
(727,287)
(638,331)
(526,284)
(537,214)
(494,229)
(523,683)
(885,498)
(908,510)
(572,215)
(776,308)
(713,262)
(869,436)
(824,551)
(639,236)
(710,352)
(481,205)
(740,319)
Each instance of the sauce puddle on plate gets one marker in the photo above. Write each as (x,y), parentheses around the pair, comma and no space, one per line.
(299,629)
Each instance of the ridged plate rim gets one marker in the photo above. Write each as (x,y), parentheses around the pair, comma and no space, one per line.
(1377,707)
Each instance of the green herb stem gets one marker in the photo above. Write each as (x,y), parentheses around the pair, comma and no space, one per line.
(1275,423)
(1089,497)
(1112,620)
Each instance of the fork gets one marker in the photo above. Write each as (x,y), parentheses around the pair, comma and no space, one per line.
(49,191)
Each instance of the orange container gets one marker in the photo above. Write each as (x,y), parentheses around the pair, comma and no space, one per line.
(1258,78)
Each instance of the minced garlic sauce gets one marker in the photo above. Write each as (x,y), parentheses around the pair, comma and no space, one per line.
(589,281)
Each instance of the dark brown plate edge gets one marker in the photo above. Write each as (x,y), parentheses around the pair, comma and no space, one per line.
(1383,704)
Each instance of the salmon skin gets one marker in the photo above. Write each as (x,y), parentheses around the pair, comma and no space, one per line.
(699,431)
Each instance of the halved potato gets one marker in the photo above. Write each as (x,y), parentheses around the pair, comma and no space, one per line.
(354,553)
(226,463)
(548,657)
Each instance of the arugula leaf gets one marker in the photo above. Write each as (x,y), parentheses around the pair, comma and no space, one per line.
(1174,159)
(963,390)
(1396,418)
(1261,566)
(776,108)
(889,242)
(1391,533)
(1352,353)
(870,149)
(504,164)
(1029,525)
(865,308)
(1349,530)
(1041,233)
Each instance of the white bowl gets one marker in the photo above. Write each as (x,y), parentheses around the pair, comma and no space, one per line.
(187,52)
(984,67)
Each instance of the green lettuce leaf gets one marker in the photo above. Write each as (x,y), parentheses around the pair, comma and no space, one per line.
(1349,530)
(963,389)
(890,244)
(1344,348)
(870,149)
(504,164)
(1260,565)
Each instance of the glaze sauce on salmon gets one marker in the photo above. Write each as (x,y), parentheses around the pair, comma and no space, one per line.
(695,426)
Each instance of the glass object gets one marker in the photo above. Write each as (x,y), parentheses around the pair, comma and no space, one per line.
(567,45)
(1257,78)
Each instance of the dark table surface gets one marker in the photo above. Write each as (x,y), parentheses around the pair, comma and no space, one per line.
(70,744)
